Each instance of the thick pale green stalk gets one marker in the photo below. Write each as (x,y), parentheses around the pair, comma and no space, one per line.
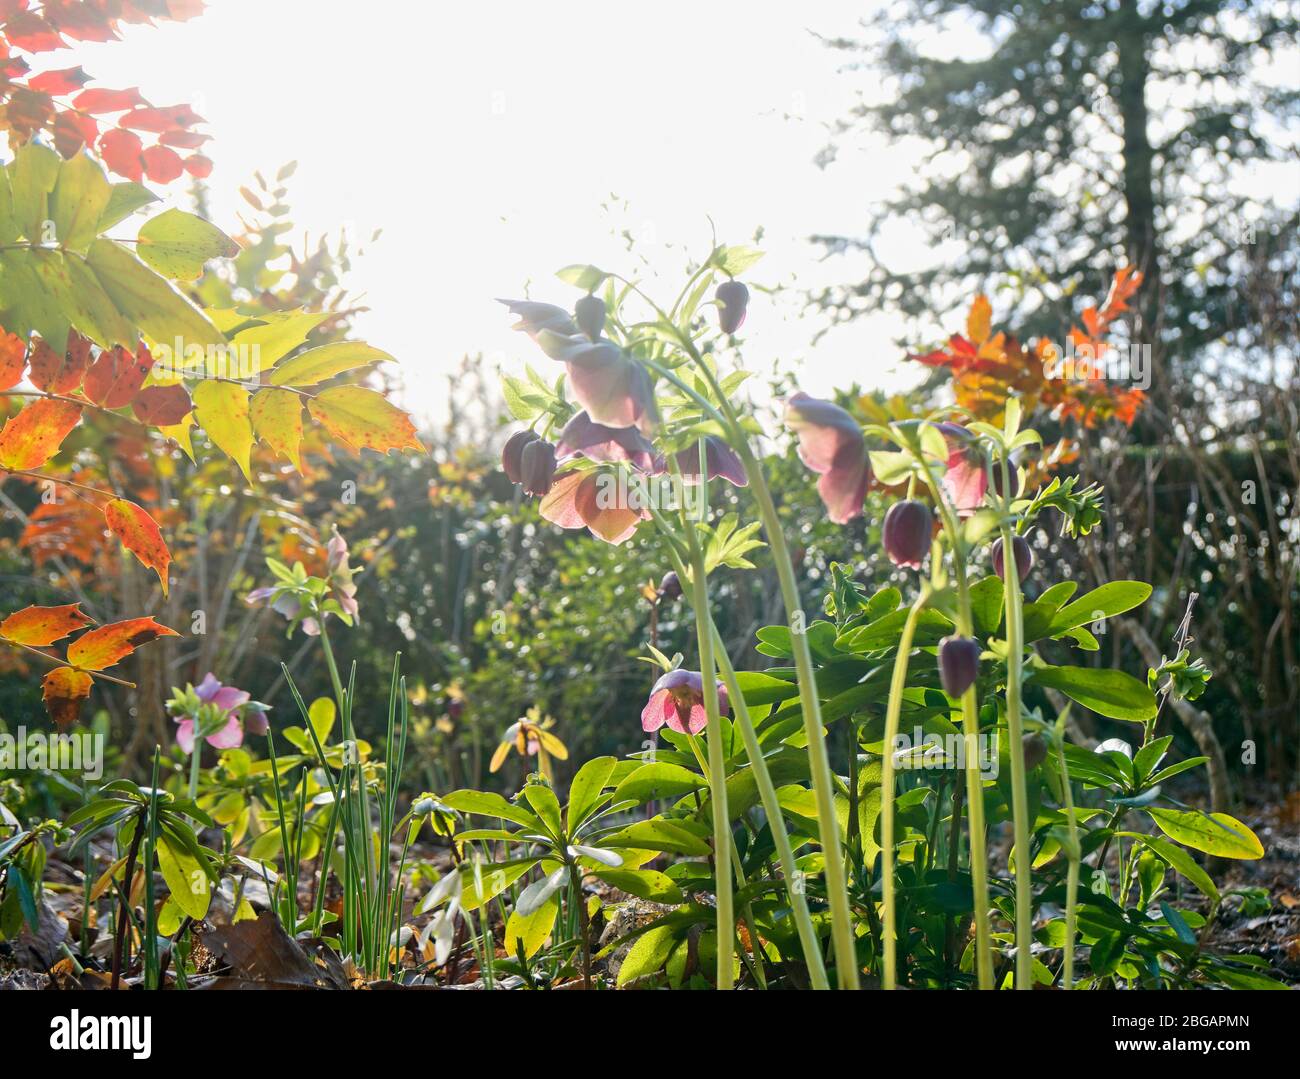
(828,827)
(1073,854)
(1015,733)
(717,773)
(979,872)
(896,686)
(775,819)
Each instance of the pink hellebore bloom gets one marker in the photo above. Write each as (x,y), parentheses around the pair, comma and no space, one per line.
(830,442)
(967,478)
(584,437)
(721,459)
(229,700)
(594,500)
(678,700)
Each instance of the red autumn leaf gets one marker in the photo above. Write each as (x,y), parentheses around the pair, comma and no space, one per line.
(60,82)
(162,406)
(162,165)
(72,131)
(13,358)
(28,31)
(63,690)
(185,140)
(28,111)
(198,166)
(56,373)
(116,377)
(112,643)
(121,151)
(160,119)
(34,435)
(9,8)
(38,627)
(81,21)
(140,535)
(102,100)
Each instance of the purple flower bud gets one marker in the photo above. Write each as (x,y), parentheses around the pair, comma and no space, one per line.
(906,533)
(255,722)
(1034,748)
(733,299)
(997,479)
(959,664)
(1024,557)
(537,467)
(590,315)
(455,708)
(512,454)
(670,587)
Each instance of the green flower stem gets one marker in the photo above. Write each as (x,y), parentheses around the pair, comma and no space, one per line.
(970,731)
(828,827)
(896,686)
(1015,733)
(1073,854)
(775,819)
(717,770)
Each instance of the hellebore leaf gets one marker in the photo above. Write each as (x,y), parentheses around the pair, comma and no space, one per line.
(1114,694)
(1213,833)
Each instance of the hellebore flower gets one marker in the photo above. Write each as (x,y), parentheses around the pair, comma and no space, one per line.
(589,499)
(959,664)
(670,588)
(906,533)
(537,467)
(528,736)
(590,314)
(966,479)
(215,709)
(512,454)
(582,436)
(830,442)
(678,700)
(1023,553)
(733,300)
(721,459)
(613,389)
(536,317)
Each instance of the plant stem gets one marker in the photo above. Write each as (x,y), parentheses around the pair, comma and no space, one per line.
(1015,733)
(828,828)
(717,768)
(1072,853)
(775,820)
(896,686)
(124,915)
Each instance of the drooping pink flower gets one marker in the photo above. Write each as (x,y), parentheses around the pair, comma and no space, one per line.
(722,460)
(583,436)
(677,699)
(596,501)
(966,479)
(830,443)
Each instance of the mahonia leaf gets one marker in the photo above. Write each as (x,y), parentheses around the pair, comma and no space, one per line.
(59,372)
(177,244)
(162,406)
(13,359)
(116,376)
(110,644)
(359,417)
(221,409)
(34,435)
(38,627)
(317,364)
(63,690)
(277,420)
(140,535)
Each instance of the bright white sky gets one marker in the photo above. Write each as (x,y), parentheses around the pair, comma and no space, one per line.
(483,140)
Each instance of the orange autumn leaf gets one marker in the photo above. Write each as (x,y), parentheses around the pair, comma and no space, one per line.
(56,372)
(13,358)
(162,406)
(116,376)
(63,690)
(358,418)
(140,535)
(980,320)
(34,435)
(37,627)
(112,643)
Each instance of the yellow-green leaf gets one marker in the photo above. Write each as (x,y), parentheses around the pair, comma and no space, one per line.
(76,291)
(358,418)
(32,176)
(177,244)
(148,300)
(531,930)
(1213,833)
(186,880)
(277,420)
(80,196)
(317,364)
(277,335)
(222,410)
